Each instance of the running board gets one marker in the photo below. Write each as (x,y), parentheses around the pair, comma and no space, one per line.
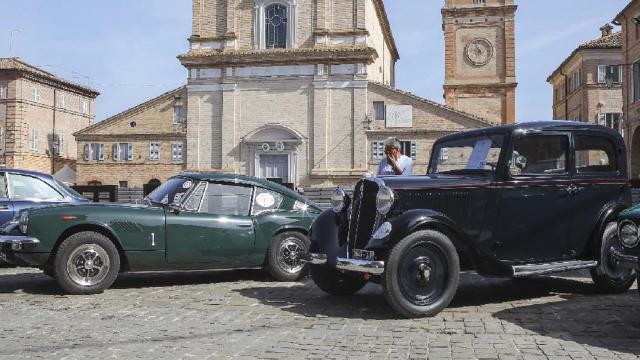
(543,269)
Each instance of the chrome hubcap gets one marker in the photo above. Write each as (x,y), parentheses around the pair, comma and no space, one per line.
(88,265)
(289,255)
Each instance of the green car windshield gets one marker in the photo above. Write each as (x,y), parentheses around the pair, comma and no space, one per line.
(171,192)
(467,155)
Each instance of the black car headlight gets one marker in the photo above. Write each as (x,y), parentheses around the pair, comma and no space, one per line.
(628,233)
(23,223)
(338,200)
(384,200)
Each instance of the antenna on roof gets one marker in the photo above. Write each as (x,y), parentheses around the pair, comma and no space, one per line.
(11,34)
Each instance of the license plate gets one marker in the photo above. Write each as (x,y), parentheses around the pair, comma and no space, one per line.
(363,255)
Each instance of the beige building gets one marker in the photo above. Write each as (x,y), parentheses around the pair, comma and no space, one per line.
(302,90)
(39,112)
(299,91)
(580,88)
(629,19)
(480,58)
(143,145)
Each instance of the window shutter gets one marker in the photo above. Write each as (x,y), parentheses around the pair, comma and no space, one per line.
(130,152)
(115,152)
(101,152)
(414,151)
(619,73)
(602,74)
(602,119)
(86,152)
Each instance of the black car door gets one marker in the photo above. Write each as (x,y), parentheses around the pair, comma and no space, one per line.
(598,181)
(533,223)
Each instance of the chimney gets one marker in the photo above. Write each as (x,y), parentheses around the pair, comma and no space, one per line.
(607,30)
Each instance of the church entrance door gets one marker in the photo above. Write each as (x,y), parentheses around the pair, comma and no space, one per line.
(275,167)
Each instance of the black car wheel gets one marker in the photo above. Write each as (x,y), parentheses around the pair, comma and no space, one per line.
(333,281)
(284,262)
(609,277)
(86,263)
(421,275)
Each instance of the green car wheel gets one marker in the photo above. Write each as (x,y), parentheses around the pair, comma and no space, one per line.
(86,263)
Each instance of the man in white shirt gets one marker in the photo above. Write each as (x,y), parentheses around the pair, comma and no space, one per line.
(395,163)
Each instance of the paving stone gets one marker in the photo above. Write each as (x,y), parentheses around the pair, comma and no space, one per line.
(245,315)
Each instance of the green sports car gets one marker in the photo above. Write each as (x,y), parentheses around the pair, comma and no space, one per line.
(194,221)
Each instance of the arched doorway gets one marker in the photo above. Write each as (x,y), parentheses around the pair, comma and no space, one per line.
(273,153)
(151,185)
(634,154)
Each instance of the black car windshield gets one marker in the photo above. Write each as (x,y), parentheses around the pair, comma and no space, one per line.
(467,155)
(171,192)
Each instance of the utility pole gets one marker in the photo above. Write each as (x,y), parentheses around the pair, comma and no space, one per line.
(11,33)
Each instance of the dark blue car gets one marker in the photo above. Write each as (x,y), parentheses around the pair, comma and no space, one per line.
(23,189)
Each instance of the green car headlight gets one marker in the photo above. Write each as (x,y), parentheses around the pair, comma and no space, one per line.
(628,233)
(23,223)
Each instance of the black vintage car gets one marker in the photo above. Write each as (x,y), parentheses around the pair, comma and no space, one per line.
(513,201)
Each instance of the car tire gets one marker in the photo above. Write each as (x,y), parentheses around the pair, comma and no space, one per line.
(335,282)
(283,257)
(421,274)
(86,263)
(608,277)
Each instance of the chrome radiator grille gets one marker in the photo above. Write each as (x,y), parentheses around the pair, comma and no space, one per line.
(363,214)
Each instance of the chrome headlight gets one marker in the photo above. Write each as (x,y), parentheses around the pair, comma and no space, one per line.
(628,233)
(384,200)
(23,223)
(338,200)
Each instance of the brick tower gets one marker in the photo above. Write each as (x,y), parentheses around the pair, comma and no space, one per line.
(480,69)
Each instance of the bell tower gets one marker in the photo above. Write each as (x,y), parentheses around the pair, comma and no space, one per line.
(480,67)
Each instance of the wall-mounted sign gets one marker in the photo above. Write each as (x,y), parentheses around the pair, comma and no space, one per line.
(399,116)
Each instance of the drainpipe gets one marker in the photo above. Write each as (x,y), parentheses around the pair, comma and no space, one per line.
(566,95)
(53,136)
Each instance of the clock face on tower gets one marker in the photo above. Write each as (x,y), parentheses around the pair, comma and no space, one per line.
(479,52)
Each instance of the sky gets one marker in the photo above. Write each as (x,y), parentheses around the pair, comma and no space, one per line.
(127,49)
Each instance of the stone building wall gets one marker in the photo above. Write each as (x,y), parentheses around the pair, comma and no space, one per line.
(21,114)
(152,121)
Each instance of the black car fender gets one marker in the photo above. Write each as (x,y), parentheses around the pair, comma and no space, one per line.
(608,214)
(328,234)
(418,219)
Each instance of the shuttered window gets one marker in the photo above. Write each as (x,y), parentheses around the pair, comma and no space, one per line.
(34,139)
(176,151)
(154,151)
(377,148)
(93,152)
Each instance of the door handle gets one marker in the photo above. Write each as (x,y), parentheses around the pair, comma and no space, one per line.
(4,207)
(245,225)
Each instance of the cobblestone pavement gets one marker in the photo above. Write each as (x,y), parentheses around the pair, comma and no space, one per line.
(242,314)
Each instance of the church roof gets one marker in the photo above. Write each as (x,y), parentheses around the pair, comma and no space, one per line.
(612,41)
(481,122)
(16,64)
(131,111)
(386,28)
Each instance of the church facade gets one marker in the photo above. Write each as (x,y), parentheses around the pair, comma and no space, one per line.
(298,91)
(302,90)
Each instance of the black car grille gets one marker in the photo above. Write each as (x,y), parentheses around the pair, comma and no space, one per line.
(363,214)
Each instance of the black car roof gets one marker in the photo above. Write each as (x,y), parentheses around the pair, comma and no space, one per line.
(559,125)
